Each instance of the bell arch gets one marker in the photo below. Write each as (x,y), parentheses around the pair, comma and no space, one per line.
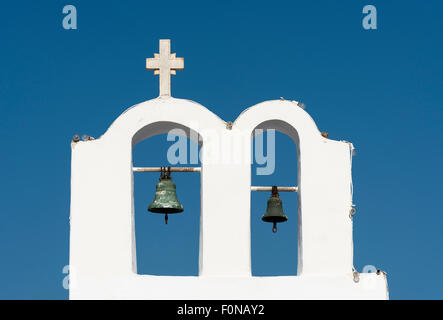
(109,160)
(324,180)
(275,254)
(170,249)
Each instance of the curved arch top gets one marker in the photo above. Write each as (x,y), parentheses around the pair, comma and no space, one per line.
(171,112)
(186,113)
(284,116)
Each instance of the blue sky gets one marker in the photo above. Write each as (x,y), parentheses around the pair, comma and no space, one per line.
(380,89)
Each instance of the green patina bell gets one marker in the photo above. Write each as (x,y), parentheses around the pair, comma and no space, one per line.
(274,212)
(165,199)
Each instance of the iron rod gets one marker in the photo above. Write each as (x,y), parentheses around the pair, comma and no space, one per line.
(173,169)
(288,189)
(198,169)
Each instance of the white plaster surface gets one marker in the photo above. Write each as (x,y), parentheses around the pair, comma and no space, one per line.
(102,247)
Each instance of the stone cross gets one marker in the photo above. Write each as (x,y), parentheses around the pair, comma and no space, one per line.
(164,64)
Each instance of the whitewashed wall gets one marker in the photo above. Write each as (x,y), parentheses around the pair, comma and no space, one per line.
(102,248)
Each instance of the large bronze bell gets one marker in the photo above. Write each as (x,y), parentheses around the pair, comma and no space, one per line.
(165,199)
(274,212)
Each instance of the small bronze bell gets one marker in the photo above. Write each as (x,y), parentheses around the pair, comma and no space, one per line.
(274,212)
(165,199)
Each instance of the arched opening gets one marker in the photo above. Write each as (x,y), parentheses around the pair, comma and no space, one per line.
(275,162)
(166,249)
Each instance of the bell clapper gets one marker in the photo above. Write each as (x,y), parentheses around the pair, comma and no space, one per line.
(166,218)
(274,228)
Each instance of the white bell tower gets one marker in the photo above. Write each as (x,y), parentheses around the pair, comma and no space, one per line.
(102,245)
